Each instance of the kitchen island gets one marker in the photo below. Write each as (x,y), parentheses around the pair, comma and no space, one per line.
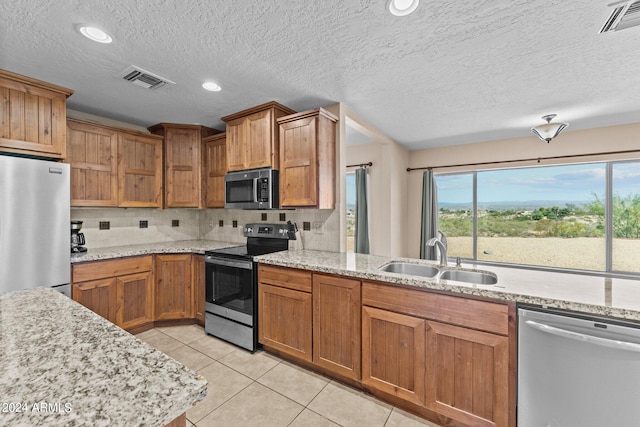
(63,365)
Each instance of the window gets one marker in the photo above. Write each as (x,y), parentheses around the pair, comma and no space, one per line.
(351,210)
(552,216)
(625,204)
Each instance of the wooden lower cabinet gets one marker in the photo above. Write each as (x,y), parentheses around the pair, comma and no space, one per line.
(447,357)
(467,375)
(119,290)
(98,296)
(135,300)
(393,353)
(285,320)
(199,294)
(336,324)
(173,290)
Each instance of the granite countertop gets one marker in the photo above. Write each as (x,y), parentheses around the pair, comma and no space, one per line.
(182,246)
(66,366)
(612,297)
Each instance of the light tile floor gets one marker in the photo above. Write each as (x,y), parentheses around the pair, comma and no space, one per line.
(260,389)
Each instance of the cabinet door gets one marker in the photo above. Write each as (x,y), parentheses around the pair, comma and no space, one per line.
(336,324)
(98,296)
(182,168)
(260,140)
(236,145)
(199,288)
(92,154)
(467,375)
(139,171)
(298,168)
(215,170)
(393,353)
(32,118)
(135,300)
(173,287)
(284,316)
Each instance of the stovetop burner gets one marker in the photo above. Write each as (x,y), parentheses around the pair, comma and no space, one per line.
(262,239)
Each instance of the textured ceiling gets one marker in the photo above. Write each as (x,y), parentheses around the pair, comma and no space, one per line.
(453,72)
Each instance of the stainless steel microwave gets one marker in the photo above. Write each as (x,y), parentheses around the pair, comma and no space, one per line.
(252,189)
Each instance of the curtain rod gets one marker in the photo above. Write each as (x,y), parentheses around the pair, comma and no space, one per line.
(360,165)
(538,159)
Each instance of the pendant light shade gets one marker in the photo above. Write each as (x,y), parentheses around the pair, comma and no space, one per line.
(548,131)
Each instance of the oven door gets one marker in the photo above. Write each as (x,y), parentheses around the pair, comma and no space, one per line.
(229,288)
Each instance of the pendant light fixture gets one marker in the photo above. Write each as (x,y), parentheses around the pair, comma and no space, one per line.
(402,7)
(548,131)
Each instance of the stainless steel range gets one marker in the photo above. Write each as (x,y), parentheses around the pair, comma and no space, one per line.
(232,283)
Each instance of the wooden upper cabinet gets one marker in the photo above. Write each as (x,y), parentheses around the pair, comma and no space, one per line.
(32,116)
(215,168)
(139,170)
(308,159)
(92,154)
(183,163)
(253,138)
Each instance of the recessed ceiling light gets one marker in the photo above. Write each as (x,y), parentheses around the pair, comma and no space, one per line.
(95,34)
(211,86)
(402,7)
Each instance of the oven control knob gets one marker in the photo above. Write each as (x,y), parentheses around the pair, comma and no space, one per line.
(248,230)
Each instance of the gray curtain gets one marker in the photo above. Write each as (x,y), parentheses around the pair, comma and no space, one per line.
(362,214)
(429,215)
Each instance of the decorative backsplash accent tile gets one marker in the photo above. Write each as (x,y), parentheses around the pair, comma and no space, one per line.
(126,226)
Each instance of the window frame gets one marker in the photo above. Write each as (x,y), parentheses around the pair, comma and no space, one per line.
(608,223)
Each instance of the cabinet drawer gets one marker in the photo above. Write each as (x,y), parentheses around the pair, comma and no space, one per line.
(116,267)
(299,280)
(486,316)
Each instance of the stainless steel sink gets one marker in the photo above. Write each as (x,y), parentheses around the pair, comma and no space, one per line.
(476,277)
(422,270)
(411,269)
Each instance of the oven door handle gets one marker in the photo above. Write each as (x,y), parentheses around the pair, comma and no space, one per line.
(246,265)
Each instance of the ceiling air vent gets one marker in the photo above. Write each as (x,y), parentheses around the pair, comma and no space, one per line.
(144,78)
(625,14)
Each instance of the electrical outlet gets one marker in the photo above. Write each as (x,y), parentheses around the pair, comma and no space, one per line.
(317,227)
(220,223)
(306,226)
(175,223)
(264,216)
(104,225)
(283,217)
(234,224)
(144,224)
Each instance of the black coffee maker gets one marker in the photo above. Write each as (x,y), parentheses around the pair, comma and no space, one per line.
(77,238)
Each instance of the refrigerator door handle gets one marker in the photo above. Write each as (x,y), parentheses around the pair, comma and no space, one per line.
(590,339)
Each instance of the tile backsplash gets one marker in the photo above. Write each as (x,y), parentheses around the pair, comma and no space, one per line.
(211,224)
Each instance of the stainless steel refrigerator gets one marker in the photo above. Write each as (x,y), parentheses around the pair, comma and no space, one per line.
(34,224)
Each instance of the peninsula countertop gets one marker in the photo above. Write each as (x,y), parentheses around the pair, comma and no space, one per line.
(181,246)
(611,297)
(63,365)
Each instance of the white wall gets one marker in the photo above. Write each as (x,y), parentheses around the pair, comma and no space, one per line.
(387,180)
(589,141)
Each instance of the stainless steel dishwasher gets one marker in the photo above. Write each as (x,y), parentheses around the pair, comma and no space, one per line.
(577,371)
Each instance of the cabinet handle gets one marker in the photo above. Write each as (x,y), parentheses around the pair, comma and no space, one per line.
(590,339)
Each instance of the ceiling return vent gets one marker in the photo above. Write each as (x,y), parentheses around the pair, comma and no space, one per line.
(625,14)
(144,78)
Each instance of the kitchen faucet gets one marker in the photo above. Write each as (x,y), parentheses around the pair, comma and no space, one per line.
(443,250)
